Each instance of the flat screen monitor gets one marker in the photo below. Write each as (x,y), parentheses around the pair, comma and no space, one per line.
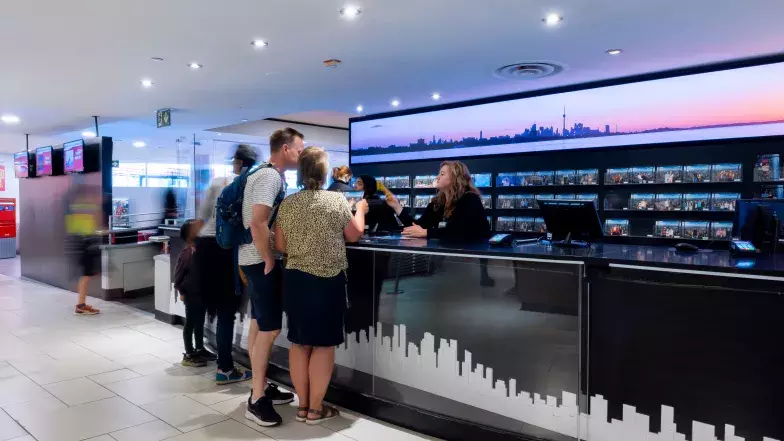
(73,156)
(664,110)
(43,161)
(747,213)
(21,165)
(571,221)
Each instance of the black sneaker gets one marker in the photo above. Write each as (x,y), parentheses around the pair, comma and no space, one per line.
(263,414)
(277,396)
(193,360)
(206,355)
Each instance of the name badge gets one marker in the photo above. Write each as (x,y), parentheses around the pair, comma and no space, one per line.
(442,224)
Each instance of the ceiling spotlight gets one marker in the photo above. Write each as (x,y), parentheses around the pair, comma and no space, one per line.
(195,66)
(259,43)
(360,109)
(156,59)
(10,119)
(436,96)
(395,103)
(613,51)
(552,19)
(146,83)
(350,12)
(139,144)
(88,134)
(244,120)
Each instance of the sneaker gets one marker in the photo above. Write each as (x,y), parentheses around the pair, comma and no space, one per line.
(277,396)
(193,360)
(262,413)
(206,355)
(86,310)
(235,376)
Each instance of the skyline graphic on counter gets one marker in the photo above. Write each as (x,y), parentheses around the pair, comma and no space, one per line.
(737,103)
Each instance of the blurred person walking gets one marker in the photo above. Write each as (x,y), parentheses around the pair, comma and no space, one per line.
(81,223)
(313,227)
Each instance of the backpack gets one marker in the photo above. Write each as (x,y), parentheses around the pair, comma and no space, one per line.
(229,229)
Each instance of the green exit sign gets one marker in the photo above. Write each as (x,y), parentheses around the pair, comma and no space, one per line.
(164,118)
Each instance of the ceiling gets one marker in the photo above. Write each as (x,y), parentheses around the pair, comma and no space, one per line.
(65,61)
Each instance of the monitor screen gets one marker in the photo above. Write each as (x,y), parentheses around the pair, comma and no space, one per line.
(687,108)
(73,156)
(43,161)
(21,165)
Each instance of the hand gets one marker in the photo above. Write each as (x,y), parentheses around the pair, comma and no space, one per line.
(269,265)
(394,202)
(414,231)
(182,297)
(362,206)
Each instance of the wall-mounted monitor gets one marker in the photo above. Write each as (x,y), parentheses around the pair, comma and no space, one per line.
(73,156)
(22,166)
(724,104)
(43,161)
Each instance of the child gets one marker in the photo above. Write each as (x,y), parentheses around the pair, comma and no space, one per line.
(194,309)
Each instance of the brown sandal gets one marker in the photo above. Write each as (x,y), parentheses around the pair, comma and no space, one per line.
(300,418)
(327,413)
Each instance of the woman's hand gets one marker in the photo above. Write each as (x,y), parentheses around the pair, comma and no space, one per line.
(414,231)
(394,202)
(362,206)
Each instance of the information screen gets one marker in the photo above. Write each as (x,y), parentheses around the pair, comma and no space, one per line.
(73,156)
(43,161)
(21,165)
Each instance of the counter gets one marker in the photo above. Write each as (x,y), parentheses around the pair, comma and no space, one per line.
(614,342)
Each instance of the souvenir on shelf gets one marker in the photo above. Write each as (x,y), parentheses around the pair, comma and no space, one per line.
(405,199)
(616,176)
(487,201)
(546,177)
(641,175)
(505,179)
(616,201)
(772,192)
(668,202)
(422,201)
(527,179)
(566,196)
(424,181)
(726,173)
(544,196)
(696,202)
(641,201)
(588,177)
(695,230)
(616,227)
(505,202)
(565,177)
(539,225)
(724,201)
(524,224)
(525,201)
(505,224)
(482,180)
(398,182)
(721,230)
(697,173)
(667,228)
(353,197)
(669,174)
(768,168)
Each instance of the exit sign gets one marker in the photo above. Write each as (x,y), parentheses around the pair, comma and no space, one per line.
(164,118)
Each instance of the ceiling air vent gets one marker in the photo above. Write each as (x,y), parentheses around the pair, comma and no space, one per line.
(528,71)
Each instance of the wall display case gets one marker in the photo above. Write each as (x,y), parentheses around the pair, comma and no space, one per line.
(505,223)
(487,201)
(404,198)
(505,202)
(696,202)
(616,227)
(422,201)
(696,230)
(669,174)
(588,177)
(424,181)
(353,197)
(668,229)
(565,196)
(524,224)
(642,201)
(506,180)
(545,177)
(768,168)
(616,176)
(539,225)
(482,180)
(546,196)
(525,201)
(771,192)
(565,177)
(724,201)
(397,182)
(668,202)
(721,230)
(641,175)
(726,173)
(696,174)
(588,197)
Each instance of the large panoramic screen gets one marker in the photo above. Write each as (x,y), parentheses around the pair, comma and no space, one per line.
(739,103)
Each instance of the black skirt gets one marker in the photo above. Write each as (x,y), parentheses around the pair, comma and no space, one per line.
(315,307)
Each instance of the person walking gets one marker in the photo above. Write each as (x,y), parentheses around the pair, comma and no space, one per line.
(264,191)
(312,228)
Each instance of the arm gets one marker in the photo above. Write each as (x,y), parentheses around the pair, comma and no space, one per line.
(181,269)
(280,240)
(356,226)
(259,230)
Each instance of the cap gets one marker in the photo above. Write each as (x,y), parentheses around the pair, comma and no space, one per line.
(246,154)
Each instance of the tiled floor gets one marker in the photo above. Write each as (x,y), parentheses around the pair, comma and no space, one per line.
(116,377)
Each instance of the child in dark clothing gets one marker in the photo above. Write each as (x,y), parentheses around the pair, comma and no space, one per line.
(193,332)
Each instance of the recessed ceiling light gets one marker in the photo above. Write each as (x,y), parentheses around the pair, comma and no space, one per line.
(436,96)
(146,83)
(613,51)
(552,19)
(395,103)
(350,12)
(195,66)
(88,134)
(360,109)
(139,144)
(10,119)
(259,43)
(219,134)
(156,59)
(244,120)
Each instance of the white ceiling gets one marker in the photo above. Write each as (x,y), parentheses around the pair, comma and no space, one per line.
(63,61)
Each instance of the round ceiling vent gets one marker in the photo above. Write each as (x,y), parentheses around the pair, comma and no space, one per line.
(528,71)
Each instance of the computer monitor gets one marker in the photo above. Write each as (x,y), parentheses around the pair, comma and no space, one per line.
(755,221)
(572,223)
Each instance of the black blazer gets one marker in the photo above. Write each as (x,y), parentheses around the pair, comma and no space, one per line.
(339,186)
(468,222)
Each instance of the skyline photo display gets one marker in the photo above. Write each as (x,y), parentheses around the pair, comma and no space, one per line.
(738,103)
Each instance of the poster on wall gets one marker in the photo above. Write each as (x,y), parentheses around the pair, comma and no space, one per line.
(121,209)
(728,104)
(2,177)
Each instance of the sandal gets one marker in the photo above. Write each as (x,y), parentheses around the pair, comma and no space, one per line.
(302,419)
(327,413)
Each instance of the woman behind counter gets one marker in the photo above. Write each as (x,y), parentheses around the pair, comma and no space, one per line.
(455,214)
(341,176)
(380,216)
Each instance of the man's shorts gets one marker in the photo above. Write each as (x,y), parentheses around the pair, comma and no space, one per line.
(266,295)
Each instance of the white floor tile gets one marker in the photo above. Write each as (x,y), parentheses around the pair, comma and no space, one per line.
(225,431)
(63,350)
(160,331)
(8,428)
(101,438)
(217,394)
(47,404)
(47,372)
(184,414)
(19,389)
(78,391)
(294,431)
(366,430)
(152,431)
(152,388)
(145,364)
(114,376)
(24,438)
